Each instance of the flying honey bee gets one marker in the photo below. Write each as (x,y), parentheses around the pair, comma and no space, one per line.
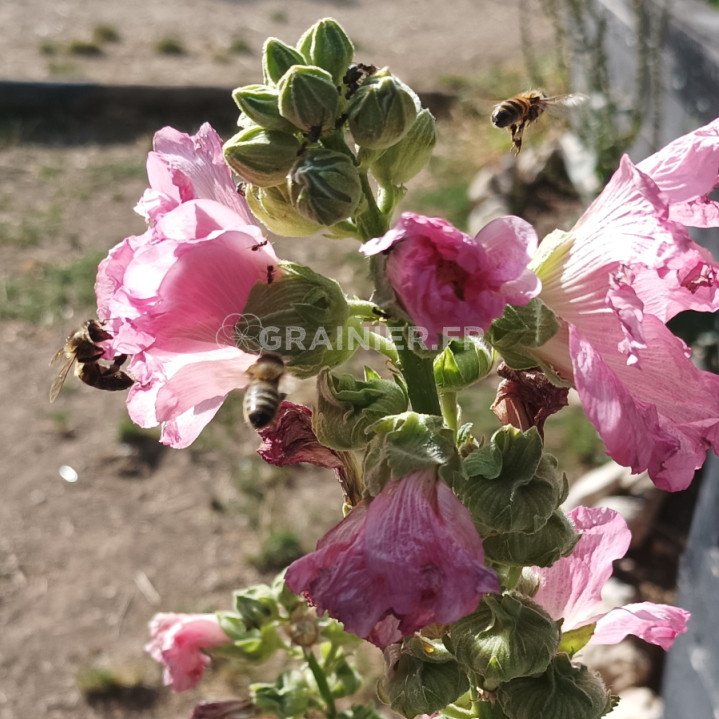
(522,110)
(82,350)
(262,396)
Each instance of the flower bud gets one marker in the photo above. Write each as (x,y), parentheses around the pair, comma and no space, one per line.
(273,208)
(308,98)
(261,157)
(303,628)
(381,112)
(277,59)
(563,691)
(301,316)
(252,645)
(346,407)
(261,104)
(256,606)
(407,442)
(403,160)
(507,637)
(289,696)
(462,363)
(413,687)
(325,186)
(554,540)
(326,45)
(513,486)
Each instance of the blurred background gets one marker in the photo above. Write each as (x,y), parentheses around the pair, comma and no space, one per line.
(100,526)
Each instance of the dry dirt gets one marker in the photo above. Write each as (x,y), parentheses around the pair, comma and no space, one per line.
(84,565)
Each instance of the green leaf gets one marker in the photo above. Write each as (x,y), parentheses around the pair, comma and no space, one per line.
(575,639)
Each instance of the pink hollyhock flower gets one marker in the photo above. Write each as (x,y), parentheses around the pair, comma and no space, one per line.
(290,440)
(177,641)
(408,558)
(446,279)
(172,296)
(613,281)
(572,587)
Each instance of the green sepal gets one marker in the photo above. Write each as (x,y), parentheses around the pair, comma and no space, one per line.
(415,687)
(508,636)
(256,605)
(261,104)
(462,363)
(576,639)
(324,186)
(347,407)
(521,329)
(261,157)
(344,680)
(254,645)
(513,486)
(402,161)
(563,691)
(277,59)
(289,696)
(298,302)
(327,45)
(272,206)
(406,443)
(284,596)
(428,650)
(308,98)
(554,540)
(381,112)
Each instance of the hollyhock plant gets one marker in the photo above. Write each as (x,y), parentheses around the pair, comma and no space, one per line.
(177,641)
(571,589)
(171,296)
(408,558)
(446,279)
(614,280)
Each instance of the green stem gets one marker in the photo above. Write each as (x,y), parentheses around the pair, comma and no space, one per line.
(514,574)
(450,410)
(382,344)
(321,680)
(388,199)
(372,222)
(418,373)
(480,709)
(364,309)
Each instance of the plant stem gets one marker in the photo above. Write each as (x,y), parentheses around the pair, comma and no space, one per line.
(480,709)
(372,222)
(450,411)
(419,376)
(321,680)
(513,576)
(364,309)
(382,344)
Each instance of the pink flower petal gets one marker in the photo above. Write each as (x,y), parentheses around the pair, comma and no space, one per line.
(572,587)
(654,623)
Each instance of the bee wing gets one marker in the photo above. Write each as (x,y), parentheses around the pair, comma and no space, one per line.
(59,380)
(562,105)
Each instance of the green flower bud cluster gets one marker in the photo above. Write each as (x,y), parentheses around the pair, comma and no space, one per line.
(513,492)
(270,618)
(292,138)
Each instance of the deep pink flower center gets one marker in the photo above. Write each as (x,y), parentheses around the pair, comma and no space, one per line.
(450,273)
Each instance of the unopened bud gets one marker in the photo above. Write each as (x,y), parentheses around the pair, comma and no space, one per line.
(325,186)
(261,157)
(326,45)
(381,112)
(462,363)
(277,59)
(563,691)
(308,98)
(413,687)
(289,696)
(507,637)
(273,208)
(403,160)
(554,540)
(346,407)
(256,605)
(261,104)
(303,628)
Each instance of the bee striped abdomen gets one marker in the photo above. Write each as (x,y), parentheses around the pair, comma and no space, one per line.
(261,403)
(510,111)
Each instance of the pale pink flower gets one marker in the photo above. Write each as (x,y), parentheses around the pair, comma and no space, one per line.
(613,281)
(408,558)
(172,296)
(177,641)
(446,279)
(571,589)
